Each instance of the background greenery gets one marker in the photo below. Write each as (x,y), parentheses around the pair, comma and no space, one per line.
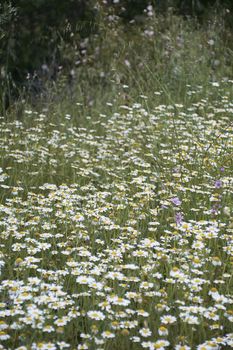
(42,41)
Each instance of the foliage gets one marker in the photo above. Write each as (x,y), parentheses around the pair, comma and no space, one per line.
(31,32)
(39,38)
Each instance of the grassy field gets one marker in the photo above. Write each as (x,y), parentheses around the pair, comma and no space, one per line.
(116,198)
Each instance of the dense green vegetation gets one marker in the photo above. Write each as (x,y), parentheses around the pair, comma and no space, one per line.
(40,40)
(116,177)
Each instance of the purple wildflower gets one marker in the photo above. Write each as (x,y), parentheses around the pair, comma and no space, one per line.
(176,201)
(179,218)
(218,184)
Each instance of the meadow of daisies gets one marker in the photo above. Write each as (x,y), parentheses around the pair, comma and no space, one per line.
(116,222)
(118,235)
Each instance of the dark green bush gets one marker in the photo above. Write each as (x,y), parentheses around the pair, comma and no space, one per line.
(31,32)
